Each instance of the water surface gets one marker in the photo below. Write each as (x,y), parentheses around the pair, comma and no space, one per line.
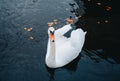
(22,58)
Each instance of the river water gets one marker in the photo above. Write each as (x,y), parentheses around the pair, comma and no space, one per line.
(22,52)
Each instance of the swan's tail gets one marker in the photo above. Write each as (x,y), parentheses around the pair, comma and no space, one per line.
(78,38)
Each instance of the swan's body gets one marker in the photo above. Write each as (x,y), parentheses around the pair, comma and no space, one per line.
(64,50)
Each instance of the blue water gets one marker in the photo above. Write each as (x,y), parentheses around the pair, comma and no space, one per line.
(23,59)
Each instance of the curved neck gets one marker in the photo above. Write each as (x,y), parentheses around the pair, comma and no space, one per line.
(51,57)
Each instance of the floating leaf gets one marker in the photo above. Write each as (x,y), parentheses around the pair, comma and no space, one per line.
(108,8)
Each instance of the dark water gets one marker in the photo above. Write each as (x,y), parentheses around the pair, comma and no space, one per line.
(22,58)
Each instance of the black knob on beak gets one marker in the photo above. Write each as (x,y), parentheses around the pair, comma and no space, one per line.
(52,32)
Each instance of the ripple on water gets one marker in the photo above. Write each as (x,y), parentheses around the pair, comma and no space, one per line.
(3,45)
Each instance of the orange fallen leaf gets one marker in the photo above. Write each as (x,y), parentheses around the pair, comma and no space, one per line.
(108,8)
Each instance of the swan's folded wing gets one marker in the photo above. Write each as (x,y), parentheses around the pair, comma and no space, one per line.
(63,30)
(78,38)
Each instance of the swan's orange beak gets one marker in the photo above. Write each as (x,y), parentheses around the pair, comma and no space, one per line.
(52,37)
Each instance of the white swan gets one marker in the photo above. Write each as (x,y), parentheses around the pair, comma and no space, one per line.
(62,50)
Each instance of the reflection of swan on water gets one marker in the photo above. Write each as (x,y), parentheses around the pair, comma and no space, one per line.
(62,50)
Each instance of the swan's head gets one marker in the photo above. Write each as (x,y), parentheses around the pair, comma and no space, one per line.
(51,32)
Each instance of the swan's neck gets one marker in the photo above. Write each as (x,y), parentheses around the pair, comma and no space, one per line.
(51,58)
